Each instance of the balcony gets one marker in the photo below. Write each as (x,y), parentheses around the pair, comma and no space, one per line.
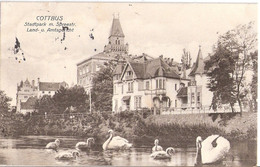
(192,83)
(160,91)
(184,105)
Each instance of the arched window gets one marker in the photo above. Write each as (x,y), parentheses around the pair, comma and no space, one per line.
(118,42)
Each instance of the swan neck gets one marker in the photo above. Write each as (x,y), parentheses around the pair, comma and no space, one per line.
(198,155)
(109,139)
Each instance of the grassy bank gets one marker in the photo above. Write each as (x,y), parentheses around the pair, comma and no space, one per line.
(169,129)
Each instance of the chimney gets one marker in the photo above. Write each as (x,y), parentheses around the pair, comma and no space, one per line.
(161,56)
(172,60)
(38,81)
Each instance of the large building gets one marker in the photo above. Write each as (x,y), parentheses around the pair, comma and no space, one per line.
(28,93)
(160,85)
(149,84)
(114,50)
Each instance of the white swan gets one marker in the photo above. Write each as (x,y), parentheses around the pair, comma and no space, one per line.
(116,143)
(212,150)
(163,154)
(67,155)
(53,145)
(156,147)
(85,145)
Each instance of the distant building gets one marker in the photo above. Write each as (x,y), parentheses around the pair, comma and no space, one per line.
(25,90)
(28,93)
(116,49)
(49,88)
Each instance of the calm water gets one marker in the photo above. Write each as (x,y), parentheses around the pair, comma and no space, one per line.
(29,150)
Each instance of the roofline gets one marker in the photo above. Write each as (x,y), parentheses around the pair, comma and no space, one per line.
(83,61)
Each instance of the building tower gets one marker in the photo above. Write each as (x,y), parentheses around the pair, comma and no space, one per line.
(116,44)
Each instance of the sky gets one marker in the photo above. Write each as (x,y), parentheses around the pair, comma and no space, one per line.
(151,28)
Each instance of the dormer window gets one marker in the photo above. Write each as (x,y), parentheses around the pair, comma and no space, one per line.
(129,73)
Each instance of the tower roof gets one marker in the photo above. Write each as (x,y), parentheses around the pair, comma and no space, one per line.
(116,29)
(199,65)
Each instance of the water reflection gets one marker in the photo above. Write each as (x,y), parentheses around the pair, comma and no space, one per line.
(30,150)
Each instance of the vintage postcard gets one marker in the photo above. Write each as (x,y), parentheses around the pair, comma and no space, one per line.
(128,84)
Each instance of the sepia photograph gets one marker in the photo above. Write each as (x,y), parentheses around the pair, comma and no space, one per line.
(128,84)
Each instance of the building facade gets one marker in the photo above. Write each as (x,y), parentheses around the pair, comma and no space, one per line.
(115,49)
(196,95)
(161,85)
(28,93)
(150,84)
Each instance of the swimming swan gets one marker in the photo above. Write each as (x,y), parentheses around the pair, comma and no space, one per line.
(116,143)
(212,150)
(67,155)
(157,147)
(53,145)
(163,154)
(85,145)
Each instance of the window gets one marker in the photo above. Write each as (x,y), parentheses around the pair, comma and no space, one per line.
(49,92)
(192,98)
(130,86)
(118,42)
(42,91)
(160,83)
(129,73)
(175,86)
(176,105)
(147,85)
(26,90)
(198,98)
(138,102)
(25,97)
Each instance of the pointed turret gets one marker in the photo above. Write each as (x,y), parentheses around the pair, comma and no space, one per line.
(116,29)
(199,65)
(116,45)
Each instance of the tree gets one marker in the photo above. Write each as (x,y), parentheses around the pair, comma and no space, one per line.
(254,57)
(66,98)
(4,102)
(237,43)
(220,69)
(46,105)
(102,91)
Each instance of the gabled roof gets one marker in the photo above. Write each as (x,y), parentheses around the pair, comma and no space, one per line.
(49,86)
(198,66)
(116,29)
(139,69)
(29,104)
(119,69)
(183,92)
(152,68)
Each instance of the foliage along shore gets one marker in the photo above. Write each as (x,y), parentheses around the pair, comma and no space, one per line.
(141,131)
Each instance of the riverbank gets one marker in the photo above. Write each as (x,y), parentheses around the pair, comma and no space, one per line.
(167,128)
